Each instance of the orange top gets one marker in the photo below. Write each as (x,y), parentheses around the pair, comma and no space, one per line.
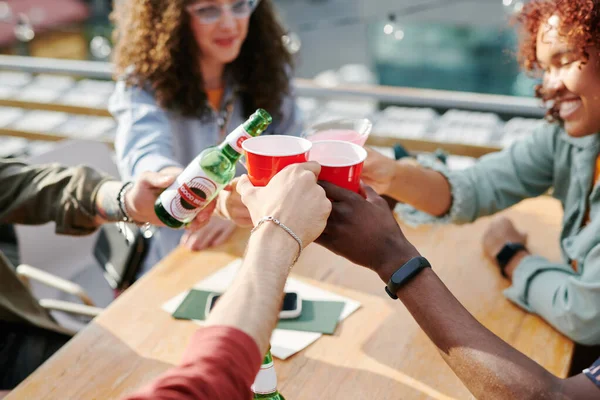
(594,183)
(215,96)
(586,220)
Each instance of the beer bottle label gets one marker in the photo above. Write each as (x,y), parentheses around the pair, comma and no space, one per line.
(266,380)
(190,193)
(236,138)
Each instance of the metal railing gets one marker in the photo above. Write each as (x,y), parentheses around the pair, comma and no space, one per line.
(518,106)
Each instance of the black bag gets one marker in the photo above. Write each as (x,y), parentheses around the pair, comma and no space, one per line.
(120,250)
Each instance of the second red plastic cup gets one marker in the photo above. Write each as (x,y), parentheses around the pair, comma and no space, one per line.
(341,162)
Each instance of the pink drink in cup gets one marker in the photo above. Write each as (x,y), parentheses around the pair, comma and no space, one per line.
(341,162)
(347,130)
(267,155)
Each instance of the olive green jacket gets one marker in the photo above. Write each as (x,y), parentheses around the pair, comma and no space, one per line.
(37,195)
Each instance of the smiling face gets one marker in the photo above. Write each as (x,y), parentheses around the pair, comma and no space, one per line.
(219,31)
(572,85)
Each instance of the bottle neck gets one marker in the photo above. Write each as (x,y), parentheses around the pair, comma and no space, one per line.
(265,383)
(229,152)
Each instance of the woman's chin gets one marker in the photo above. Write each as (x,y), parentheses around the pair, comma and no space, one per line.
(577,129)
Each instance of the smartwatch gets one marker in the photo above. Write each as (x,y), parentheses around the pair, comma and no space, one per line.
(404,274)
(506,254)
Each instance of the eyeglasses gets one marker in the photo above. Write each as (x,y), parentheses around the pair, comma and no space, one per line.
(212,12)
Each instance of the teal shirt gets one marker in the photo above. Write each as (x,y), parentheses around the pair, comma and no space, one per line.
(549,158)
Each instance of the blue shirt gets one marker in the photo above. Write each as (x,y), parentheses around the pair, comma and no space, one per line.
(150,138)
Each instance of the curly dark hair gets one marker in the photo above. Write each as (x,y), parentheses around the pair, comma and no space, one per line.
(580,26)
(155,45)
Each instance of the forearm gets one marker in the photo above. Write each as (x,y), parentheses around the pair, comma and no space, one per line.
(567,301)
(260,282)
(488,366)
(107,203)
(46,193)
(424,189)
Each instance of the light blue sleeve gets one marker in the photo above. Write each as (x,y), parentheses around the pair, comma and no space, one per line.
(568,301)
(143,141)
(292,121)
(497,181)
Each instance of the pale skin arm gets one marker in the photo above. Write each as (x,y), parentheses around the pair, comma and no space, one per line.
(260,283)
(253,302)
(408,182)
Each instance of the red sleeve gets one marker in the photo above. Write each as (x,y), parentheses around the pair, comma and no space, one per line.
(220,363)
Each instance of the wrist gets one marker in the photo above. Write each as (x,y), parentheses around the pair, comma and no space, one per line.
(107,204)
(394,187)
(398,253)
(514,262)
(415,285)
(127,205)
(274,239)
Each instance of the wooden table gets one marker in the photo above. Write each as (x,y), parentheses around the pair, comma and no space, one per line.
(377,353)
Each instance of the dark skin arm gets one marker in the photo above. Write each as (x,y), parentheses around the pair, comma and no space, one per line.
(488,366)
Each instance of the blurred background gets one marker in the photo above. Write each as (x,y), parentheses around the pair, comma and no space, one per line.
(434,76)
(451,62)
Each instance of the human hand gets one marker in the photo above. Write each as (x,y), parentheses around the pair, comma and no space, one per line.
(140,199)
(214,233)
(293,197)
(500,232)
(378,171)
(230,205)
(364,231)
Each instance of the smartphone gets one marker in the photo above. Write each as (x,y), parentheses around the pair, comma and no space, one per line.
(291,308)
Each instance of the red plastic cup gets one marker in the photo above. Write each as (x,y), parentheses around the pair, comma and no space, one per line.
(341,162)
(353,130)
(267,155)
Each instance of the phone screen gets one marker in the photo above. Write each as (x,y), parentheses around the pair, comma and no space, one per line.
(290,302)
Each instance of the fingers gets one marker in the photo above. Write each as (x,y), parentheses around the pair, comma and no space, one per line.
(244,187)
(222,236)
(373,197)
(337,193)
(311,166)
(199,240)
(158,180)
(231,186)
(203,217)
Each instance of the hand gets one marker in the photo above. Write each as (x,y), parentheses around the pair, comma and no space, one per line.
(230,205)
(215,232)
(365,231)
(293,197)
(378,171)
(500,232)
(140,199)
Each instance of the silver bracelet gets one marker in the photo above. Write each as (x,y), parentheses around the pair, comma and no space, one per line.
(285,228)
(123,207)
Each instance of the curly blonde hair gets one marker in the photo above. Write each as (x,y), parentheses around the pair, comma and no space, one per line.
(155,45)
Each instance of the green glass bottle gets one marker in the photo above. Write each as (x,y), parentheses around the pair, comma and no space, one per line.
(207,174)
(265,384)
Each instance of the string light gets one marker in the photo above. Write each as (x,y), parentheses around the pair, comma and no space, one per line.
(23,28)
(392,28)
(292,42)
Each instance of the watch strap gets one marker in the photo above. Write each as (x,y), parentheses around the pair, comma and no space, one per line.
(506,254)
(404,274)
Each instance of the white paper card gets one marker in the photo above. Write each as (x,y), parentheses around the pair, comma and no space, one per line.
(284,343)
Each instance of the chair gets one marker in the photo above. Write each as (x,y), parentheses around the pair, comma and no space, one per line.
(66,257)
